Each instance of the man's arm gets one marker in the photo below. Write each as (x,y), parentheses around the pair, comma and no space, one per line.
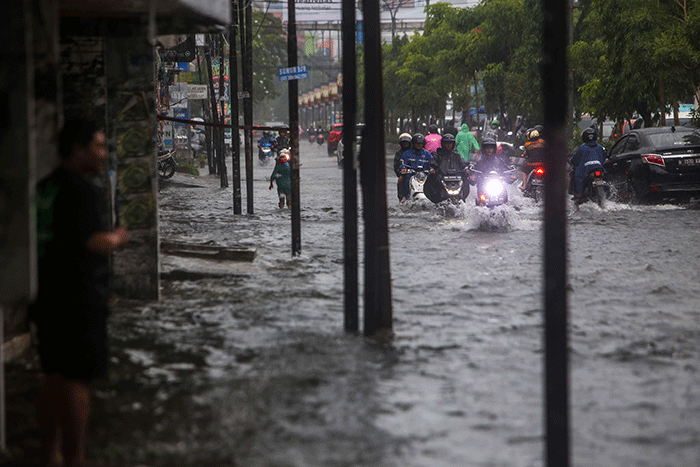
(105,242)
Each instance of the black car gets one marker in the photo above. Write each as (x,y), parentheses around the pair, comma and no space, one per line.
(650,164)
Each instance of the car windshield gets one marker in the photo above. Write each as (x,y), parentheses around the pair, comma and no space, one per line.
(669,140)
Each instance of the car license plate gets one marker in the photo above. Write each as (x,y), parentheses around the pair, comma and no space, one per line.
(598,182)
(537,181)
(689,161)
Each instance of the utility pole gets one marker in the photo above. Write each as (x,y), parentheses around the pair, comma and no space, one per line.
(555,306)
(378,313)
(247,19)
(222,114)
(233,96)
(294,128)
(212,100)
(351,315)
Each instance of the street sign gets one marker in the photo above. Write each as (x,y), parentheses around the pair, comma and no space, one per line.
(197,91)
(293,72)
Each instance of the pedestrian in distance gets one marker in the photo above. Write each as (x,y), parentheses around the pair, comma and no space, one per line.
(465,143)
(282,176)
(74,242)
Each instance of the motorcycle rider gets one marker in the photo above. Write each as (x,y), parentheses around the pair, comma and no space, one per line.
(432,140)
(490,160)
(446,161)
(534,153)
(265,141)
(414,159)
(588,157)
(282,141)
(404,143)
(465,143)
(494,131)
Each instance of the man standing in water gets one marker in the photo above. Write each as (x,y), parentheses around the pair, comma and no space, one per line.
(71,309)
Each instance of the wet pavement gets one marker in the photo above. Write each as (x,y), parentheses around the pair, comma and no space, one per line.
(246,363)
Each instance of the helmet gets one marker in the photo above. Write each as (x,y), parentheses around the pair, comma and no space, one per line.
(284,157)
(495,122)
(489,143)
(448,138)
(532,134)
(432,128)
(418,138)
(266,133)
(404,138)
(589,134)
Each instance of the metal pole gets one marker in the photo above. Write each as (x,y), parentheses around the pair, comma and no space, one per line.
(212,102)
(349,168)
(294,128)
(233,86)
(378,313)
(222,114)
(556,348)
(248,103)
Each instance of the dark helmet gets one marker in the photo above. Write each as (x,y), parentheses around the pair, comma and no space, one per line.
(432,128)
(540,129)
(418,138)
(448,138)
(589,134)
(489,143)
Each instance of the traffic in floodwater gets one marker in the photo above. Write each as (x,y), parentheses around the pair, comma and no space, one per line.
(247,364)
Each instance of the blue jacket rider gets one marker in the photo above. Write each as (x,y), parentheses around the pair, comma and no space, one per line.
(588,157)
(416,158)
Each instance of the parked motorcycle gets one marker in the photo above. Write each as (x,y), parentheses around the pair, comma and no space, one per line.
(166,163)
(595,188)
(534,186)
(491,187)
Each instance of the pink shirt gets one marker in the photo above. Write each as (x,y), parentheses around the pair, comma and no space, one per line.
(432,142)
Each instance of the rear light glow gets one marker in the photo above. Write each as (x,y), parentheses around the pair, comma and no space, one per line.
(653,188)
(598,173)
(654,159)
(539,171)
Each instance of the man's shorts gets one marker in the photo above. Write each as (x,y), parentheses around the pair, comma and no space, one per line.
(73,342)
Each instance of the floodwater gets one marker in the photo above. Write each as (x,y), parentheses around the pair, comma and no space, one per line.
(247,364)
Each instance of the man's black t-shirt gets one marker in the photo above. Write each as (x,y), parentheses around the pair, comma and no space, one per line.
(70,209)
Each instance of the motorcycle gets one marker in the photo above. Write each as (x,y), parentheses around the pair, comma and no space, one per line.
(595,188)
(320,139)
(311,135)
(265,153)
(491,188)
(166,164)
(439,187)
(534,186)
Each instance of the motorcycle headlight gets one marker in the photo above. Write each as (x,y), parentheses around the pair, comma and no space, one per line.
(493,187)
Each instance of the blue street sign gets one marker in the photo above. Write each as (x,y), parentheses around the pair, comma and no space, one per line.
(293,72)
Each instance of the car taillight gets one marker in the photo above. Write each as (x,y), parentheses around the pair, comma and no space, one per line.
(654,159)
(539,171)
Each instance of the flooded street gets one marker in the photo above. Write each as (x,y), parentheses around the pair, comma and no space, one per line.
(247,364)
